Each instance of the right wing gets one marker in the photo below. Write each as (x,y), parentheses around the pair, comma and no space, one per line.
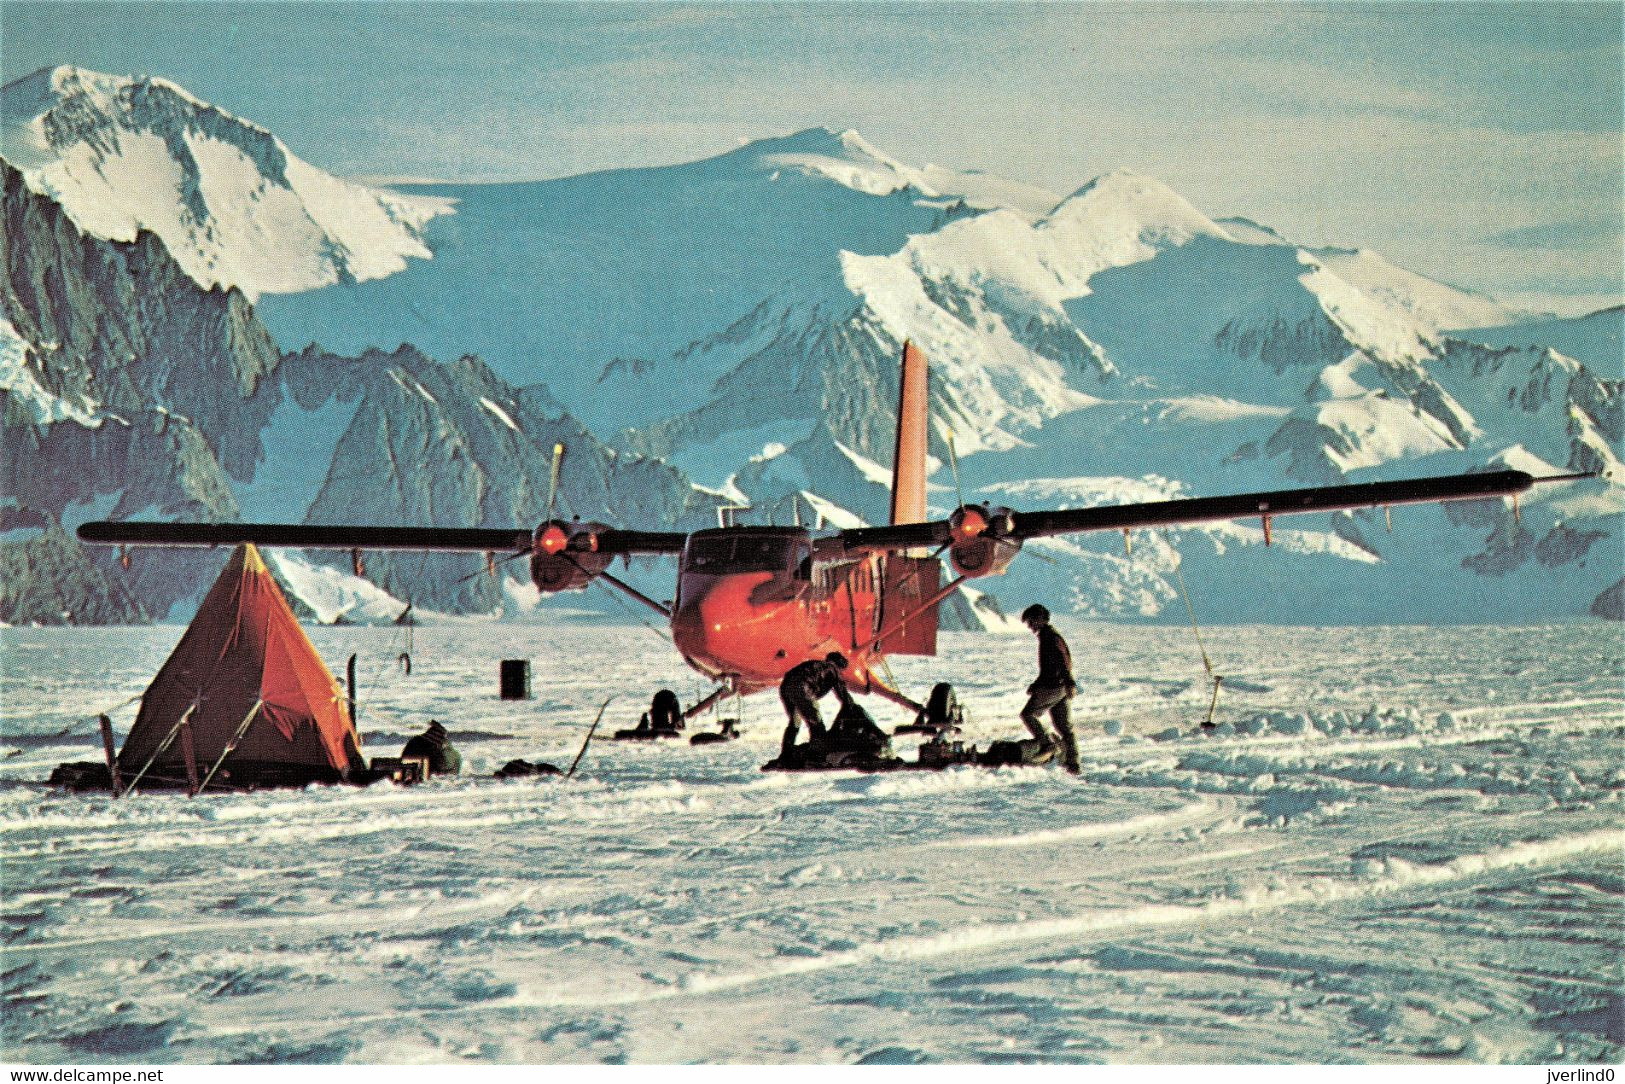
(606,540)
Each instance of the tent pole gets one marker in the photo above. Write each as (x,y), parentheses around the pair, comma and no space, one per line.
(232,744)
(350,673)
(156,753)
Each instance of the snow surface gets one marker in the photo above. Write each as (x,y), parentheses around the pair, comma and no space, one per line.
(1435,306)
(1401,846)
(573,280)
(1597,339)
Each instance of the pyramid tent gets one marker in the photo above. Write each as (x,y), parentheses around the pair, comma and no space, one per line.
(260,702)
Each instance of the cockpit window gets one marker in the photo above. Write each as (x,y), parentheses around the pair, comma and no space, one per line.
(721,554)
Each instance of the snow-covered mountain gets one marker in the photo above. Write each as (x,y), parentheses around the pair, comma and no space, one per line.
(561,280)
(1126,336)
(1597,339)
(232,204)
(740,318)
(128,391)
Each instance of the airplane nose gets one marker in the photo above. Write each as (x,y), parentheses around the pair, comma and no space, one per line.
(719,626)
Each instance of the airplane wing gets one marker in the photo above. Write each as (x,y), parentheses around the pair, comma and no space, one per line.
(609,541)
(967,525)
(975,522)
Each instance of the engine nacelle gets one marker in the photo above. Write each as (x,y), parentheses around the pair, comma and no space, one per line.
(979,544)
(565,557)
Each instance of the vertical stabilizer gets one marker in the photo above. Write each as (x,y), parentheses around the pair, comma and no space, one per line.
(910,579)
(908,459)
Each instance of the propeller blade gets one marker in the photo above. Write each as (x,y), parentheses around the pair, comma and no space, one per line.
(553,478)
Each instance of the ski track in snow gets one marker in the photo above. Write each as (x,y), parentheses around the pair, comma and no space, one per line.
(1401,845)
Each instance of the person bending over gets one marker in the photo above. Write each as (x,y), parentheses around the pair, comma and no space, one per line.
(802,688)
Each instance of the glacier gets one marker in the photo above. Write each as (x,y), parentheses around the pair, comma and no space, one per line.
(1400,846)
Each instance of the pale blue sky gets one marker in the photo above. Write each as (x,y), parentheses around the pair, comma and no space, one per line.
(1479,143)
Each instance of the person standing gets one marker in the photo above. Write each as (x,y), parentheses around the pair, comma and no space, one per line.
(1052,688)
(800,691)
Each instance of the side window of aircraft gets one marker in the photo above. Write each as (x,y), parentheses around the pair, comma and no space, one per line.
(707,554)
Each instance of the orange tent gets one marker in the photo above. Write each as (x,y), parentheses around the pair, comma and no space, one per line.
(261,706)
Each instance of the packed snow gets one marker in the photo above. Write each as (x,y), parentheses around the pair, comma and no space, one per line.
(1399,845)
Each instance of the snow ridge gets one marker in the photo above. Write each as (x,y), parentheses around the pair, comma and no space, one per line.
(230,201)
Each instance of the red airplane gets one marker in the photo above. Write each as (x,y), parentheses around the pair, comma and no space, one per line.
(752,602)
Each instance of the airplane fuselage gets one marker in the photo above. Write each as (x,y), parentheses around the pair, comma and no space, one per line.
(754,601)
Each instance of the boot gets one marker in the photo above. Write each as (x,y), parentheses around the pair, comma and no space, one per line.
(1069,751)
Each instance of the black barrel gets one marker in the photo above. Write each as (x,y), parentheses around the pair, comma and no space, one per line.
(516,679)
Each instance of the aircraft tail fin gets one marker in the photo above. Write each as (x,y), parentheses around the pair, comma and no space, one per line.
(911,578)
(908,459)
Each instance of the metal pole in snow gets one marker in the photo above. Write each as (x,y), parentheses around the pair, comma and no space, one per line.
(590,731)
(1213,704)
(350,674)
(107,748)
(189,751)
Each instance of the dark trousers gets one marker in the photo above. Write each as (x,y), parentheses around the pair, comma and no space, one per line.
(1051,699)
(800,707)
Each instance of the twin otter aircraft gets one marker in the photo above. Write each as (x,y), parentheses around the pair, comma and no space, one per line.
(752,602)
